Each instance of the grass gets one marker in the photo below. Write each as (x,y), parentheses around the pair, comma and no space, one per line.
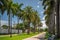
(18,37)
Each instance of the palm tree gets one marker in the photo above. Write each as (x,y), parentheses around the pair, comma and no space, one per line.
(5,4)
(2,9)
(11,10)
(57,18)
(57,14)
(48,6)
(35,20)
(19,13)
(27,17)
(39,25)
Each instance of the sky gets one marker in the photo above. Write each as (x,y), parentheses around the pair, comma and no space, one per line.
(36,4)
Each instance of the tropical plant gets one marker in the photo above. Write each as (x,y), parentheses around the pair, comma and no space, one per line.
(2,9)
(19,13)
(21,27)
(11,10)
(27,17)
(49,7)
(35,20)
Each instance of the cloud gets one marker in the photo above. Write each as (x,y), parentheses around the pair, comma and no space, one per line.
(38,6)
(44,25)
(44,17)
(43,22)
(3,22)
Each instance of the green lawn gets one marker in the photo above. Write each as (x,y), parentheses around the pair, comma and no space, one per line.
(18,37)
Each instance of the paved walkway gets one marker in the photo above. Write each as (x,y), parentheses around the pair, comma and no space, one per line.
(7,35)
(37,37)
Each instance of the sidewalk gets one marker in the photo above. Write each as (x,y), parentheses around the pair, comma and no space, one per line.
(37,37)
(7,35)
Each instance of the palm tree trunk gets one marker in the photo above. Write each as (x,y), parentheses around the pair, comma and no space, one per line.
(34,28)
(52,21)
(18,25)
(49,28)
(57,15)
(28,28)
(0,20)
(9,23)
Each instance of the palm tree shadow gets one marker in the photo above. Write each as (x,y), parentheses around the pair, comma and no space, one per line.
(40,38)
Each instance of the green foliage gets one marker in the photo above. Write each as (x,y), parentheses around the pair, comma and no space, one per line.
(47,35)
(28,14)
(20,26)
(5,26)
(46,29)
(48,6)
(41,30)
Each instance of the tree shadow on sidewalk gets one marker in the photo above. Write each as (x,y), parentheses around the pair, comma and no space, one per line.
(40,38)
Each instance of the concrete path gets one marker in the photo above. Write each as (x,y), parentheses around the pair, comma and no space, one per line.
(37,37)
(8,35)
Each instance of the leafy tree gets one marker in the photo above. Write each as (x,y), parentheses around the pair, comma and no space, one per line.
(5,26)
(21,27)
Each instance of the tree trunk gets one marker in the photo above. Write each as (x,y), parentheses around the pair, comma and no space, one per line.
(28,28)
(9,23)
(50,28)
(34,28)
(53,21)
(0,20)
(18,25)
(23,30)
(18,30)
(57,15)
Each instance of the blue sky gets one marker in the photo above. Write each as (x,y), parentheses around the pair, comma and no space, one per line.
(36,4)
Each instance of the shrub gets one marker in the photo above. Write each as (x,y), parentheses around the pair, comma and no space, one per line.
(47,35)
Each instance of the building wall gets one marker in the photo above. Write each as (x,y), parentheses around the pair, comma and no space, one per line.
(6,31)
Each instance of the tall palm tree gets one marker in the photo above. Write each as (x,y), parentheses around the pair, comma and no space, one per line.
(57,17)
(35,19)
(11,10)
(2,9)
(48,6)
(27,17)
(6,4)
(19,13)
